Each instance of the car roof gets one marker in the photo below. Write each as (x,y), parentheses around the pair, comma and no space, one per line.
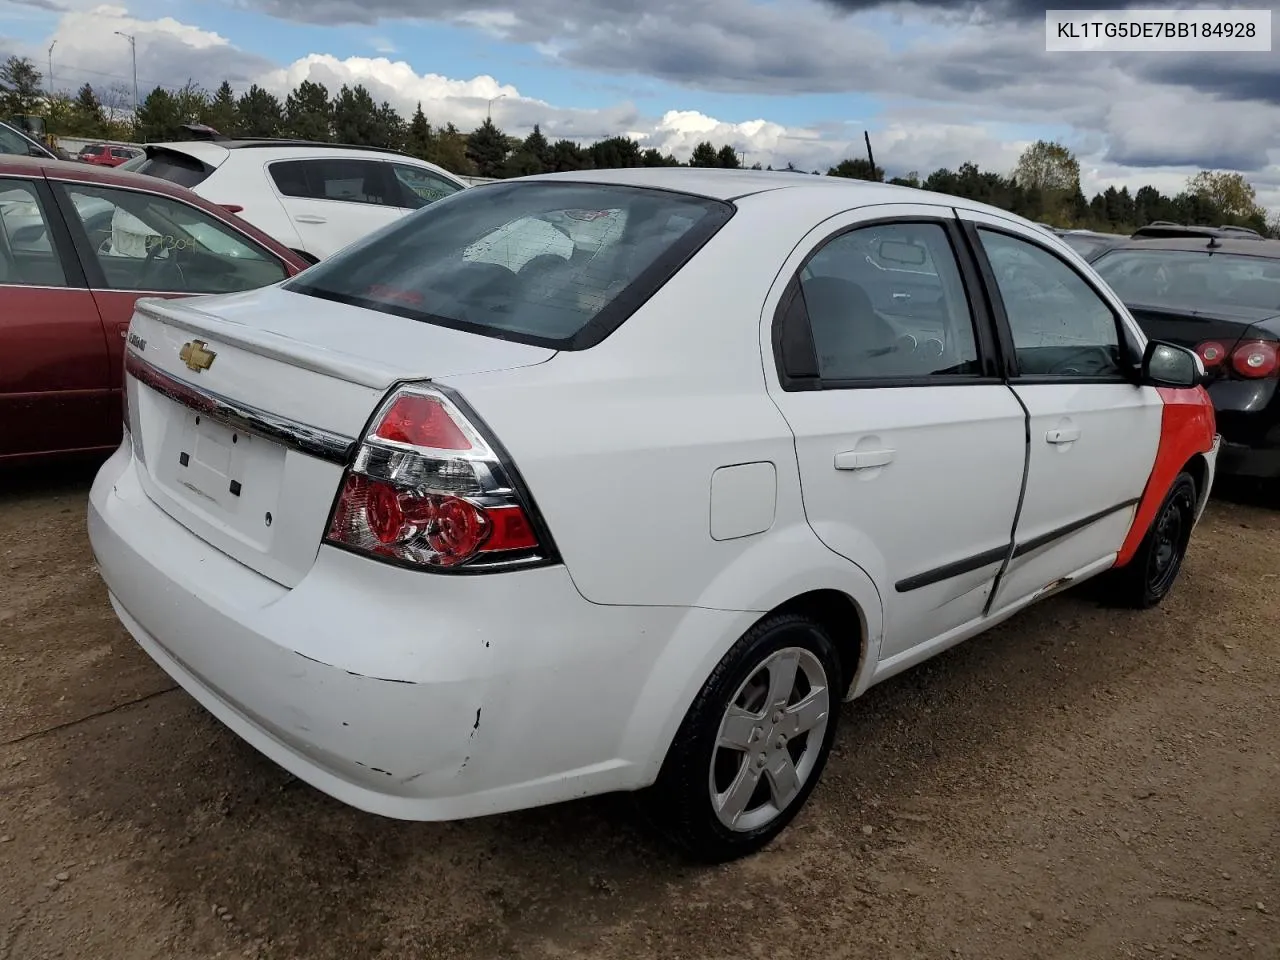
(71,171)
(1266,249)
(722,184)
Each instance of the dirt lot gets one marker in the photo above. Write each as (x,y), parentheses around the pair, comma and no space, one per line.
(1077,783)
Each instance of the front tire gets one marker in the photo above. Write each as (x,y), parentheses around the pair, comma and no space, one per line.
(1150,575)
(753,743)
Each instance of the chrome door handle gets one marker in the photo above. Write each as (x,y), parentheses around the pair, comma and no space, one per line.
(862,459)
(1063,435)
(310,218)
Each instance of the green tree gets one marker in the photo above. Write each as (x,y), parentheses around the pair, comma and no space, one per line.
(487,149)
(260,113)
(20,91)
(704,155)
(614,153)
(59,114)
(536,145)
(389,130)
(221,111)
(568,156)
(308,114)
(656,158)
(89,119)
(857,168)
(192,102)
(1230,194)
(355,117)
(159,117)
(728,158)
(450,151)
(420,141)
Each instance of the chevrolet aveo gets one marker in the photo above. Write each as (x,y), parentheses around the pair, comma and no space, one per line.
(624,480)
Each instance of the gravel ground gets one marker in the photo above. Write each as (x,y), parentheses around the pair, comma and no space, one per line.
(1076,783)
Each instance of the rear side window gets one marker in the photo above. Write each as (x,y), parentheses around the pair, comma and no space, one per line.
(338,178)
(554,264)
(180,168)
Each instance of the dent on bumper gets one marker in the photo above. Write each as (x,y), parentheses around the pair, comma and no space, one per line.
(400,693)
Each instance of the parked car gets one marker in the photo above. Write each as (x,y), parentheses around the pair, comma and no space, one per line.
(1168,229)
(13,142)
(1221,297)
(315,198)
(107,154)
(1088,242)
(446,529)
(77,248)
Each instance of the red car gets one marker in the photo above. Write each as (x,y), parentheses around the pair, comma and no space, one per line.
(106,154)
(77,248)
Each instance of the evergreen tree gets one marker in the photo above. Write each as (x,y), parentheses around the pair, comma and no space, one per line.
(704,155)
(308,114)
(419,140)
(88,117)
(728,158)
(221,112)
(260,113)
(487,149)
(20,92)
(159,117)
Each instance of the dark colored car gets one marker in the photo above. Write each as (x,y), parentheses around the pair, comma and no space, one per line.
(1166,229)
(78,246)
(1090,242)
(1220,296)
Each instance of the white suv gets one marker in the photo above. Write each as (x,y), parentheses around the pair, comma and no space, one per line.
(313,197)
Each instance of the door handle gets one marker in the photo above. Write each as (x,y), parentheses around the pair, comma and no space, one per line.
(862,459)
(310,218)
(1063,435)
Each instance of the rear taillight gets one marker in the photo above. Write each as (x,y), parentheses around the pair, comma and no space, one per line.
(1212,353)
(1255,359)
(430,489)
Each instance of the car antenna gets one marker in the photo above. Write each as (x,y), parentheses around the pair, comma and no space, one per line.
(1213,242)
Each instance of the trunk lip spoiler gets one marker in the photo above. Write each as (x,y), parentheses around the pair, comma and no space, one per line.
(313,441)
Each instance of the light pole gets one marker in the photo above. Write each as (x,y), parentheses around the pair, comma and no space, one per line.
(489,113)
(133,47)
(51,46)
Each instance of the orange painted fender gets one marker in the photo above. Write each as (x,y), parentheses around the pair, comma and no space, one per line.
(1187,427)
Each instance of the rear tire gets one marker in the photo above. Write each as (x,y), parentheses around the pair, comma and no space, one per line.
(753,743)
(1150,575)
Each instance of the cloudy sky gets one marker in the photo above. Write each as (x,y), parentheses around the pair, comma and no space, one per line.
(936,83)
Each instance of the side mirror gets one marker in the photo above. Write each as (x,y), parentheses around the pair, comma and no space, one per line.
(1169,365)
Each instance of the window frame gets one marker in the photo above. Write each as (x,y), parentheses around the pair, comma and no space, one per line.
(1130,367)
(384,173)
(87,257)
(794,352)
(61,239)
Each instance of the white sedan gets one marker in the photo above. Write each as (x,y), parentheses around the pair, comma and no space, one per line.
(624,480)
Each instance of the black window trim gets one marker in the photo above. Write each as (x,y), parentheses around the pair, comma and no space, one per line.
(1130,373)
(62,243)
(792,334)
(384,172)
(643,287)
(88,257)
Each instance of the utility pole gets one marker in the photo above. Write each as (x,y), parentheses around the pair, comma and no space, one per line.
(489,113)
(133,47)
(51,46)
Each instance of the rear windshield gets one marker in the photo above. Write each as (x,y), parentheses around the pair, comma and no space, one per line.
(1184,280)
(92,151)
(179,168)
(557,264)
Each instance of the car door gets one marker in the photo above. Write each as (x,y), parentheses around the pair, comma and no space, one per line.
(1093,427)
(54,370)
(134,243)
(911,448)
(334,201)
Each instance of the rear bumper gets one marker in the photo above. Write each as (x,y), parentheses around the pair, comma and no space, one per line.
(1242,460)
(401,693)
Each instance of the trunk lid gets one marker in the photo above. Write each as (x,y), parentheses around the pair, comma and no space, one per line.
(245,446)
(1188,328)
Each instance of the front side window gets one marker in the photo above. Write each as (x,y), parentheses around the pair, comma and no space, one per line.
(143,241)
(536,262)
(27,254)
(419,186)
(1192,280)
(338,178)
(887,301)
(14,143)
(1060,325)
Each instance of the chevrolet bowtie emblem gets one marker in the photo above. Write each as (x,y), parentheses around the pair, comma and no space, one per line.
(195,356)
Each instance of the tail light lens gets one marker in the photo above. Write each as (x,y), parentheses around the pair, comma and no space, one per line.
(430,489)
(1255,359)
(1212,353)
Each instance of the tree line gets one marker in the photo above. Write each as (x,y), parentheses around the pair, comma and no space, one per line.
(1044,186)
